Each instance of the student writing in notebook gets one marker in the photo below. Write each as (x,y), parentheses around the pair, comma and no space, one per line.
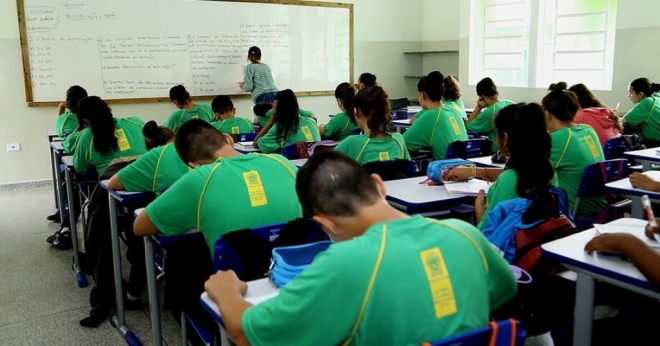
(646,112)
(187,109)
(491,104)
(352,293)
(226,121)
(342,124)
(596,114)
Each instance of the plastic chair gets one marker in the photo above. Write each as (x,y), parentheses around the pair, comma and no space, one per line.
(392,170)
(244,137)
(356,132)
(401,103)
(474,135)
(615,147)
(469,149)
(595,177)
(503,333)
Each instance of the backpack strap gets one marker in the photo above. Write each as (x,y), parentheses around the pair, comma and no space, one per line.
(365,301)
(655,100)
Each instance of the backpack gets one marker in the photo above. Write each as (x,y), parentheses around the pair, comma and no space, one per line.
(307,150)
(634,142)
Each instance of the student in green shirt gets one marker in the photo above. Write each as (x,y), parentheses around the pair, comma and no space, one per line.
(187,109)
(436,126)
(286,126)
(342,124)
(67,120)
(373,114)
(264,111)
(258,78)
(574,147)
(107,139)
(490,103)
(646,112)
(226,121)
(159,168)
(353,293)
(226,191)
(452,96)
(366,80)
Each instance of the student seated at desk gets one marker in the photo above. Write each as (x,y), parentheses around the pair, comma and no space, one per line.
(452,96)
(436,126)
(596,114)
(286,126)
(373,114)
(557,86)
(491,104)
(187,109)
(646,112)
(366,80)
(159,168)
(574,147)
(227,122)
(342,124)
(67,120)
(379,283)
(264,112)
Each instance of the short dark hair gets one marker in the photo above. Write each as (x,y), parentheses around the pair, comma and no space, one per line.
(486,87)
(198,140)
(334,184)
(179,93)
(222,104)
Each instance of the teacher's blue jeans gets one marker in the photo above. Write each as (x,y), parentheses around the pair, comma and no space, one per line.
(265,98)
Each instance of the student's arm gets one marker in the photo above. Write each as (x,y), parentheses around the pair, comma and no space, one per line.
(264,130)
(62,108)
(481,122)
(268,143)
(638,114)
(480,207)
(173,121)
(418,135)
(465,173)
(644,182)
(477,111)
(143,227)
(413,119)
(71,141)
(114,183)
(641,255)
(226,290)
(82,155)
(322,130)
(248,74)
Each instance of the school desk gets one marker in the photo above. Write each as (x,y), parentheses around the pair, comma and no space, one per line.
(258,291)
(299,162)
(401,125)
(56,152)
(53,137)
(412,197)
(486,161)
(243,150)
(589,268)
(645,157)
(72,177)
(624,189)
(118,320)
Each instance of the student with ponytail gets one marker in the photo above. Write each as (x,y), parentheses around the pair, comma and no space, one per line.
(596,114)
(436,126)
(646,112)
(155,170)
(342,124)
(187,109)
(452,96)
(491,104)
(373,115)
(366,80)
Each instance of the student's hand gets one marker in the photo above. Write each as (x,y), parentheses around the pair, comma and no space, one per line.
(224,282)
(241,84)
(644,182)
(651,231)
(64,104)
(480,201)
(458,174)
(482,104)
(611,242)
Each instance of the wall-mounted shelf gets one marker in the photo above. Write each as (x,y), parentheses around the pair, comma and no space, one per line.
(433,52)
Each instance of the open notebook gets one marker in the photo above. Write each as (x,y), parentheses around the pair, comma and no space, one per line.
(246,145)
(634,227)
(470,188)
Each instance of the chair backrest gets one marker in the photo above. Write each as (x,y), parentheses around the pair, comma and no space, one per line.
(615,147)
(356,132)
(503,333)
(471,148)
(474,135)
(244,137)
(595,176)
(398,114)
(392,170)
(401,103)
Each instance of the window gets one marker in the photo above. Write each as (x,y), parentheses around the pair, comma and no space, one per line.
(570,40)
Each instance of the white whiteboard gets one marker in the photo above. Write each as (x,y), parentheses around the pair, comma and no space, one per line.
(130,49)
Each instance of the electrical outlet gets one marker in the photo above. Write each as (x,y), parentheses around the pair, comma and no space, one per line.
(14,147)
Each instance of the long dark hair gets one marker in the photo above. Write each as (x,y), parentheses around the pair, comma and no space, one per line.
(644,85)
(286,116)
(452,89)
(587,99)
(529,144)
(101,123)
(375,106)
(155,136)
(432,85)
(346,93)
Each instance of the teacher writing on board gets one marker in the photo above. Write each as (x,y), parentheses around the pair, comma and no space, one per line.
(258,79)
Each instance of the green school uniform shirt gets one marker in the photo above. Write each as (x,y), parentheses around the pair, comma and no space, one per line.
(436,279)
(457,105)
(234,126)
(340,127)
(503,189)
(230,194)
(71,141)
(646,115)
(436,128)
(200,111)
(263,120)
(307,132)
(130,142)
(573,149)
(258,80)
(485,121)
(153,171)
(66,123)
(365,149)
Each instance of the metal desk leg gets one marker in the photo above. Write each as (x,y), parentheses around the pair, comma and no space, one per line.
(637,209)
(118,320)
(58,180)
(584,310)
(646,166)
(80,276)
(54,170)
(152,286)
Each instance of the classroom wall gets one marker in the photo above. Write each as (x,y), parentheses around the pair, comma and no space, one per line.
(383,30)
(635,54)
(441,32)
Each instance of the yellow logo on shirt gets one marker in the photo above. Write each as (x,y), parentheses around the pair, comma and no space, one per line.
(122,141)
(195,117)
(255,189)
(454,124)
(592,146)
(442,291)
(235,130)
(384,156)
(308,134)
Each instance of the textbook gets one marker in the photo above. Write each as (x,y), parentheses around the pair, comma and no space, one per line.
(469,188)
(246,145)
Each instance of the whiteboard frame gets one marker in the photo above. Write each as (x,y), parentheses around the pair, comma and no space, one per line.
(27,76)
